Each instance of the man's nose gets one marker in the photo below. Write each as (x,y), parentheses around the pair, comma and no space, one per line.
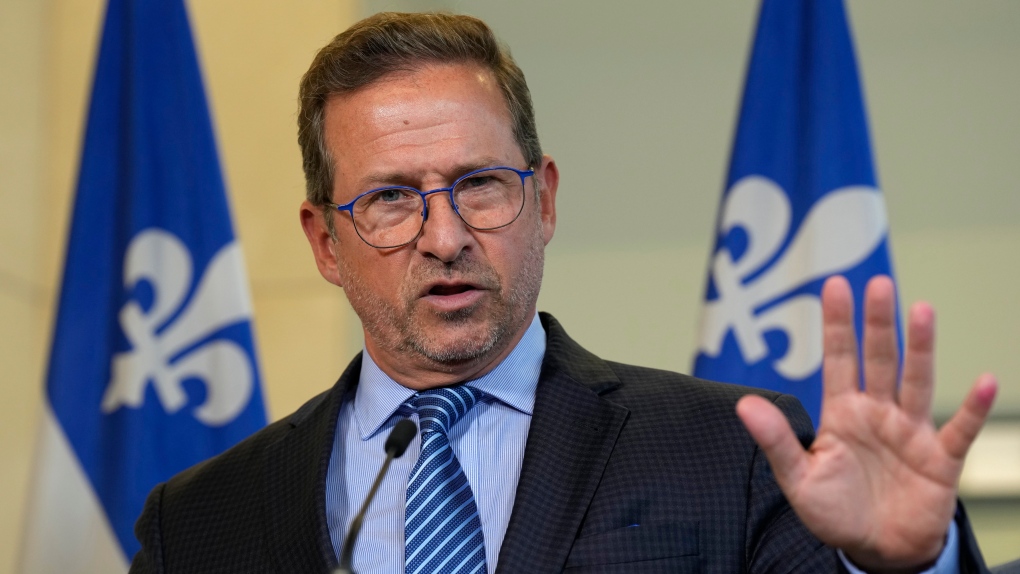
(444,234)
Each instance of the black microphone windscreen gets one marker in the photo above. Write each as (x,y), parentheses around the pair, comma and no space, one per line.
(400,437)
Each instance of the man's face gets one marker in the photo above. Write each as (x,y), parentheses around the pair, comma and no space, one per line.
(451,304)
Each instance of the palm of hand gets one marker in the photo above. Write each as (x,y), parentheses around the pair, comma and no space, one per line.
(879,481)
(872,477)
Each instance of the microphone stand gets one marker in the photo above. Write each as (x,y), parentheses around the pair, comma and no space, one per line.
(396,444)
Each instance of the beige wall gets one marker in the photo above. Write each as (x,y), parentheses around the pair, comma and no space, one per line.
(24,297)
(46,58)
(253,53)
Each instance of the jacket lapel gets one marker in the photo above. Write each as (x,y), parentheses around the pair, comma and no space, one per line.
(573,432)
(295,482)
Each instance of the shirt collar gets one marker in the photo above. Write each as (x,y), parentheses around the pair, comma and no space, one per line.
(512,382)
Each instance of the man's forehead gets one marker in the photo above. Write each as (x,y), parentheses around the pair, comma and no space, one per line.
(426,97)
(420,81)
(430,106)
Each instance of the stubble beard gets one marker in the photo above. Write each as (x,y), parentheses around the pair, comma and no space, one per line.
(410,328)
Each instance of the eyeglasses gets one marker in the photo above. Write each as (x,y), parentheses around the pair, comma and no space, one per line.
(393,216)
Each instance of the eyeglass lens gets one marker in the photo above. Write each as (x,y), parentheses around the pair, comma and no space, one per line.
(394,216)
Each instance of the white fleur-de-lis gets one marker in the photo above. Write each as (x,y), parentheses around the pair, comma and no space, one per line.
(841,230)
(166,354)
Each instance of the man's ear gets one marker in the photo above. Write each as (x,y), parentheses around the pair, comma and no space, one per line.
(548,176)
(314,225)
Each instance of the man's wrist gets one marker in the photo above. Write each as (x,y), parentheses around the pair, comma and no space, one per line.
(947,561)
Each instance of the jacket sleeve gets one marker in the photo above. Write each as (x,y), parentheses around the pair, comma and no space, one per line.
(777,540)
(971,561)
(149,560)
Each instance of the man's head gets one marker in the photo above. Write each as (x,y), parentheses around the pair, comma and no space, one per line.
(442,101)
(392,42)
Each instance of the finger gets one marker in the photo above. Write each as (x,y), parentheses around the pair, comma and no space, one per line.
(959,433)
(881,357)
(839,364)
(770,429)
(919,362)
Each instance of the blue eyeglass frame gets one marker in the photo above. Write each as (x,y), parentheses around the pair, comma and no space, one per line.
(523,174)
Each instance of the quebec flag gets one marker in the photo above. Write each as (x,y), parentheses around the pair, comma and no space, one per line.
(801,203)
(153,365)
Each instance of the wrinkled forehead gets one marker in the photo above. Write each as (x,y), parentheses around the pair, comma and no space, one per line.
(422,80)
(416,106)
(432,120)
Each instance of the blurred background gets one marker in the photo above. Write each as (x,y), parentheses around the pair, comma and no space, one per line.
(637,101)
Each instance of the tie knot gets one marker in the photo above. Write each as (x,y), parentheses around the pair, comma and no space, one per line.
(440,409)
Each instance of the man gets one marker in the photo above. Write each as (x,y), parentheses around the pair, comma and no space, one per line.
(557,460)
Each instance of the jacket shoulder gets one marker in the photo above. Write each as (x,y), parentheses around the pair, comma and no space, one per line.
(660,397)
(215,512)
(244,458)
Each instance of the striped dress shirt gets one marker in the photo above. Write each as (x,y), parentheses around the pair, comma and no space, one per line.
(488,441)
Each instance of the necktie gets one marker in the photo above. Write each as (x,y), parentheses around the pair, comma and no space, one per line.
(442,531)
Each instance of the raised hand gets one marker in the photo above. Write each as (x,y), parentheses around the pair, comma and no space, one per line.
(879,481)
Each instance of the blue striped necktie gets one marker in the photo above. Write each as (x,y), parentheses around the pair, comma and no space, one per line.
(442,531)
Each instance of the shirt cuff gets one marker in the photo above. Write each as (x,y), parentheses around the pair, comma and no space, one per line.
(948,562)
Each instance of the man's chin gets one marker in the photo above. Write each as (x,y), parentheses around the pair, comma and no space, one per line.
(456,338)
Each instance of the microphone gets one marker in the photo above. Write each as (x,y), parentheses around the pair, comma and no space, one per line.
(396,444)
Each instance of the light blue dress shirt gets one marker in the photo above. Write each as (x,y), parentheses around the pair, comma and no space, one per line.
(488,441)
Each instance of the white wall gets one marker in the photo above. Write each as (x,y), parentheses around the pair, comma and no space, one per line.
(638,102)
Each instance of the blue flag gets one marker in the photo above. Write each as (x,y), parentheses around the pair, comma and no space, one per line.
(801,203)
(153,365)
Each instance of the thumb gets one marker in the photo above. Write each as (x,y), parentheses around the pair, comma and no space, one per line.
(770,429)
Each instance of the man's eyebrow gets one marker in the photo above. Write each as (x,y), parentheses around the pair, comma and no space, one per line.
(382,179)
(480,163)
(386,178)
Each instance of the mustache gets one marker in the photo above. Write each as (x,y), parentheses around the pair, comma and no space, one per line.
(464,269)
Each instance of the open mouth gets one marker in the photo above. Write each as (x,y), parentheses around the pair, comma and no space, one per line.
(454,294)
(445,290)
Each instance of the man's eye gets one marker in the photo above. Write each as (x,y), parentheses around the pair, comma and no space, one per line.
(390,195)
(477,181)
(388,199)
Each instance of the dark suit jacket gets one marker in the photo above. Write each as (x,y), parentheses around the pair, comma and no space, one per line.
(626,469)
